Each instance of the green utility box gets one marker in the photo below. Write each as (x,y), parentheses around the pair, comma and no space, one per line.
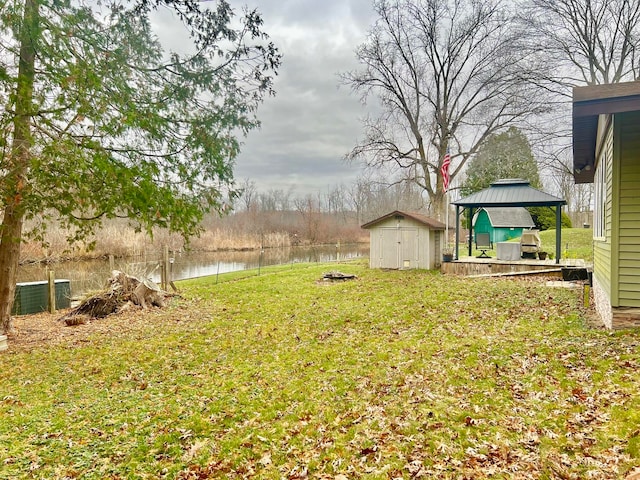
(33,297)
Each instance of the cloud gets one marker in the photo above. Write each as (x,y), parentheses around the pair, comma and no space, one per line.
(313,121)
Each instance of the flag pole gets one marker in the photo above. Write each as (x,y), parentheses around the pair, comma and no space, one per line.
(446,216)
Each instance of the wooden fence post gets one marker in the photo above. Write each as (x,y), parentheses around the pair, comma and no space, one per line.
(165,268)
(52,292)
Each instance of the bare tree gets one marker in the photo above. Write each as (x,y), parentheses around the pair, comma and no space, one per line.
(589,41)
(248,194)
(311,215)
(373,197)
(276,200)
(268,203)
(579,196)
(447,73)
(338,204)
(283,198)
(359,195)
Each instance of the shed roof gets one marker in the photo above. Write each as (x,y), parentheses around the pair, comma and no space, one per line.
(418,217)
(508,217)
(510,192)
(588,104)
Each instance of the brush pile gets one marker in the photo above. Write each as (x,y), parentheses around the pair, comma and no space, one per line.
(123,291)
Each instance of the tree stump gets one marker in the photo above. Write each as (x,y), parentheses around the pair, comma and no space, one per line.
(148,292)
(123,290)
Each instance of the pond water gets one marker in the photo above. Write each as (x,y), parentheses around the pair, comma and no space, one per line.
(91,275)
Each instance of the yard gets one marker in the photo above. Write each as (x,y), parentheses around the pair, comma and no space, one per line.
(396,374)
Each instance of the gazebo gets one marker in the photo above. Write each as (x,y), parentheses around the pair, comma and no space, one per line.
(509,192)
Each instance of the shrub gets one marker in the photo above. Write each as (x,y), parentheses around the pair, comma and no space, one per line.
(545,218)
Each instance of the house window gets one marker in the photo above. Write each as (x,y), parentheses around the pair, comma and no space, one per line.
(600,193)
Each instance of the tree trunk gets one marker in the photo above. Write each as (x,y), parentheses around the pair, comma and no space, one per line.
(18,165)
(438,206)
(9,256)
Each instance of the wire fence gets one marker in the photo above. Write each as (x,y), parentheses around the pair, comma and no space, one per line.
(87,277)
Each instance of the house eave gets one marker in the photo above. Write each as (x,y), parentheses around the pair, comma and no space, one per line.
(588,104)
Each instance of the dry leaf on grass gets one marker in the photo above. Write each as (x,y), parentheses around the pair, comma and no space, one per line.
(45,329)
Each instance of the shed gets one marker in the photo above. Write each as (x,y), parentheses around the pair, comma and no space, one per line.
(405,240)
(502,223)
(606,152)
(510,192)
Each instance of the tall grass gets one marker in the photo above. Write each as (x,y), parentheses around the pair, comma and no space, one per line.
(219,239)
(239,231)
(121,240)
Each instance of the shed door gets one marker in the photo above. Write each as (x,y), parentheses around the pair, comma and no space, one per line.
(408,248)
(398,248)
(389,256)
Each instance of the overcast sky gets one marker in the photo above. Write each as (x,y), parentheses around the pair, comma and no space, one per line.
(313,121)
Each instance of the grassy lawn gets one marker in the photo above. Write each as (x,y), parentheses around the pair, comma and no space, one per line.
(393,375)
(576,243)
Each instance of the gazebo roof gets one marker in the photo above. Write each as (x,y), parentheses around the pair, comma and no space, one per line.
(510,192)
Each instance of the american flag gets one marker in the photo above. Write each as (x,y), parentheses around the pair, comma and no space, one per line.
(445,170)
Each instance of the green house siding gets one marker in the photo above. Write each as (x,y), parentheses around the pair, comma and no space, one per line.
(629,211)
(606,151)
(602,246)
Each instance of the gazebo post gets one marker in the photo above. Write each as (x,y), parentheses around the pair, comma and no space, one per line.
(558,232)
(457,230)
(470,230)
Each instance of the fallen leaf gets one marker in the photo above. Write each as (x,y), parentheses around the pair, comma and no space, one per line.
(266,459)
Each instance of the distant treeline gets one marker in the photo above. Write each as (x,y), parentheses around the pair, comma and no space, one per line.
(257,220)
